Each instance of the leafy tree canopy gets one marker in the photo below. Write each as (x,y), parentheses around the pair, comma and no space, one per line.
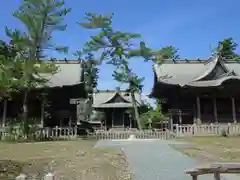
(227,49)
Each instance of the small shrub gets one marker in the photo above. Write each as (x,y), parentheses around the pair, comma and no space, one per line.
(224,133)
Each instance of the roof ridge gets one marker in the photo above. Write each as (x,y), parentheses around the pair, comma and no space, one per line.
(195,61)
(110,91)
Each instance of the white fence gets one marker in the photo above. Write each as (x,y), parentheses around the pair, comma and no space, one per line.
(15,133)
(231,129)
(49,176)
(147,134)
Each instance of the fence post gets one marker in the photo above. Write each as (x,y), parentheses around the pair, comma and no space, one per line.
(177,129)
(229,128)
(49,176)
(75,131)
(21,177)
(194,129)
(56,131)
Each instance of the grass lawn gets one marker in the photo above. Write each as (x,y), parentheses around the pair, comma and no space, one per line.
(68,160)
(217,149)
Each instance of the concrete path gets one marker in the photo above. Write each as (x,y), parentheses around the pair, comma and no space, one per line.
(156,160)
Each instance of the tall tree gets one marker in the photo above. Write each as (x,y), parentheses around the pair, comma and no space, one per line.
(117,48)
(91,75)
(227,49)
(8,82)
(41,18)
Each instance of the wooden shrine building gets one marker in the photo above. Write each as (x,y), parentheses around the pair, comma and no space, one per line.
(62,90)
(199,91)
(117,107)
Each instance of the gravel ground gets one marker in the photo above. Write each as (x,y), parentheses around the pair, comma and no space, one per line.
(156,160)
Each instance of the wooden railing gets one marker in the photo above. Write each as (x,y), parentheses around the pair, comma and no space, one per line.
(146,134)
(14,133)
(49,176)
(215,169)
(231,129)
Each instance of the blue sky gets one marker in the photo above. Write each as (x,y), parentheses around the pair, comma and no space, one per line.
(193,26)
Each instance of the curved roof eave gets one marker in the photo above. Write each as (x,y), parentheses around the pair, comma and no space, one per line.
(159,81)
(113,96)
(110,98)
(213,83)
(209,70)
(214,61)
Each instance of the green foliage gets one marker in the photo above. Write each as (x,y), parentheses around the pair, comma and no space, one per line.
(95,21)
(150,117)
(23,56)
(116,49)
(226,49)
(168,52)
(8,82)
(41,19)
(91,71)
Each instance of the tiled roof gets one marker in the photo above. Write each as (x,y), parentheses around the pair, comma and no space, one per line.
(102,99)
(187,73)
(69,73)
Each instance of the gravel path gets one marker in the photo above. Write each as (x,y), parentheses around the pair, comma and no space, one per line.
(156,160)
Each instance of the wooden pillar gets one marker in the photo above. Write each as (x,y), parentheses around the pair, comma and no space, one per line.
(42,114)
(180,116)
(234,110)
(130,119)
(112,117)
(105,119)
(5,102)
(198,111)
(215,110)
(171,123)
(123,115)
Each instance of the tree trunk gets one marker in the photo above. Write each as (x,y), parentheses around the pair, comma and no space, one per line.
(4,112)
(25,114)
(136,114)
(90,105)
(42,114)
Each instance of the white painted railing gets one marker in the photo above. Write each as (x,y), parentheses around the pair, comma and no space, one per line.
(146,134)
(49,176)
(46,132)
(231,129)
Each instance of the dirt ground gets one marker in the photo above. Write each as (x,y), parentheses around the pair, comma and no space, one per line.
(68,160)
(213,149)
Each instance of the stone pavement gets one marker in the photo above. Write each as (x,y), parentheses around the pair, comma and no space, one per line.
(156,160)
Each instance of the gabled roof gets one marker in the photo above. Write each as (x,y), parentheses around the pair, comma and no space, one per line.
(69,73)
(102,99)
(197,73)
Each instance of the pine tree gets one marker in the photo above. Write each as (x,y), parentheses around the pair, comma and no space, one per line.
(91,76)
(226,49)
(8,82)
(117,48)
(41,18)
